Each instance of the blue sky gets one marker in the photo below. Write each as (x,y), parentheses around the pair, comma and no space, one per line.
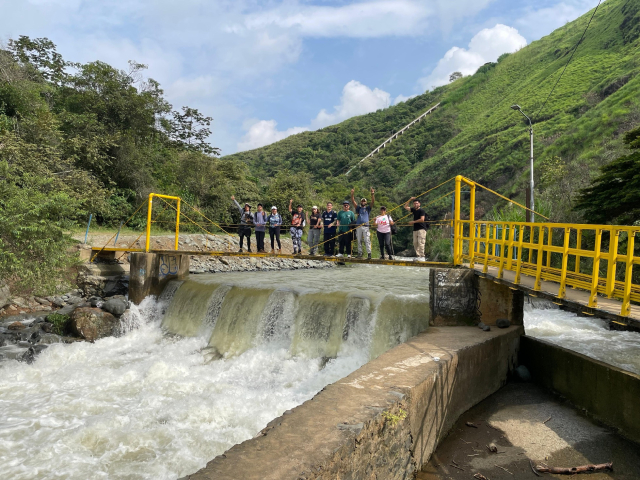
(267,69)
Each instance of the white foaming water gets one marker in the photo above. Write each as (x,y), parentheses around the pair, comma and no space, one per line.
(586,335)
(152,405)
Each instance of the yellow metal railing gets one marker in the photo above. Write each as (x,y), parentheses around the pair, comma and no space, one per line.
(149,211)
(528,249)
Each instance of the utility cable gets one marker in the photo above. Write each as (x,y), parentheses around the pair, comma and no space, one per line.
(565,67)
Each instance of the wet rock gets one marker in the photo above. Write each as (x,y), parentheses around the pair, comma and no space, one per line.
(96,302)
(28,356)
(92,323)
(115,306)
(68,310)
(486,328)
(46,327)
(42,301)
(523,374)
(23,344)
(481,325)
(16,326)
(58,302)
(40,347)
(49,338)
(74,300)
(503,323)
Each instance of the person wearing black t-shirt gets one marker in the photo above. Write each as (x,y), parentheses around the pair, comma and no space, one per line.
(419,227)
(329,219)
(315,225)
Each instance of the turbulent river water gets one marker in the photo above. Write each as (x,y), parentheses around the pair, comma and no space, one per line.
(214,359)
(210,364)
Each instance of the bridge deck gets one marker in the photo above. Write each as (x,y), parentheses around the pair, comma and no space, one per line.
(576,300)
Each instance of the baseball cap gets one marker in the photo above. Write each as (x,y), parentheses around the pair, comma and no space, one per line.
(274,208)
(315,206)
(346,202)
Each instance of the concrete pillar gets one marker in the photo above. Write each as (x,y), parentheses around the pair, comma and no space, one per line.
(150,273)
(499,301)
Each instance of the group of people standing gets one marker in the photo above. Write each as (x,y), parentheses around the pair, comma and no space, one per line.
(344,227)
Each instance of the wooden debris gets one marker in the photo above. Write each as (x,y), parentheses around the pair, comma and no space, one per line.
(480,476)
(492,448)
(469,424)
(455,466)
(573,470)
(468,443)
(504,469)
(533,469)
(547,420)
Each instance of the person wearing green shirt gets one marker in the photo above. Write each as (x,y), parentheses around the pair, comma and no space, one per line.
(346,219)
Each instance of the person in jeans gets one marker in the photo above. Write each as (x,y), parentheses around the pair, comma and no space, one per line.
(329,220)
(315,225)
(297,224)
(345,219)
(260,221)
(362,230)
(384,222)
(246,222)
(419,227)
(274,220)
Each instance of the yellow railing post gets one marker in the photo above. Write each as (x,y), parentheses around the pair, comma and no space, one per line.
(520,254)
(503,248)
(550,243)
(562,290)
(626,298)
(579,247)
(457,243)
(177,223)
(472,224)
(512,238)
(613,256)
(595,273)
(487,248)
(149,209)
(538,285)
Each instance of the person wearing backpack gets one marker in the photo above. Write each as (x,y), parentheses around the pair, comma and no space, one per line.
(275,221)
(246,222)
(260,221)
(384,223)
(297,224)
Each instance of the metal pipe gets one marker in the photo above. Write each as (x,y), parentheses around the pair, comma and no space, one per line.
(88,225)
(533,207)
(118,234)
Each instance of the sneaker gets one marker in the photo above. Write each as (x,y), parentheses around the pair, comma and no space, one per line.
(368,256)
(358,256)
(249,250)
(295,252)
(420,259)
(348,256)
(240,251)
(390,257)
(279,251)
(339,255)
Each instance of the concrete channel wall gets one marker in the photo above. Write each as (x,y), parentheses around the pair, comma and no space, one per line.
(607,393)
(385,419)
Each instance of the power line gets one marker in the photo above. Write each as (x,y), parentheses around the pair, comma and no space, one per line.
(565,67)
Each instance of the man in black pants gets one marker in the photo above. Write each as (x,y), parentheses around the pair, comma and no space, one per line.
(246,222)
(329,218)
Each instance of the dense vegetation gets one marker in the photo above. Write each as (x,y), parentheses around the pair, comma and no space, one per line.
(88,138)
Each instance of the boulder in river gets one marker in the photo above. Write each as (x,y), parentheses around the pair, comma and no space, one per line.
(17,326)
(115,306)
(93,323)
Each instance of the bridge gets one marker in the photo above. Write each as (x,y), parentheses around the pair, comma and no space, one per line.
(586,268)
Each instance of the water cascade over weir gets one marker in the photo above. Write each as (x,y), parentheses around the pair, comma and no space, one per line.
(239,312)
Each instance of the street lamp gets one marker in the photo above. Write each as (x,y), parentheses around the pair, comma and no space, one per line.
(517,107)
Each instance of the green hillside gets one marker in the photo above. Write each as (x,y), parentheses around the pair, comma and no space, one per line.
(476,134)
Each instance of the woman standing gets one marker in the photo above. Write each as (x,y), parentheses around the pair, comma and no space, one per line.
(274,220)
(260,220)
(297,224)
(246,222)
(315,225)
(384,222)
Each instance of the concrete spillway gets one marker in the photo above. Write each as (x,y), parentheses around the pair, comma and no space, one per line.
(211,362)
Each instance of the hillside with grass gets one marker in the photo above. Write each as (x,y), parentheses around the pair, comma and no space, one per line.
(475,133)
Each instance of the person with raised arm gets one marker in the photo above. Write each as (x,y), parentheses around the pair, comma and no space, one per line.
(363,211)
(246,222)
(419,227)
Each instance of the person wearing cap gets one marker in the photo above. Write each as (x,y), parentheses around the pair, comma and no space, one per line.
(297,224)
(362,223)
(329,219)
(345,219)
(274,220)
(315,225)
(246,221)
(260,221)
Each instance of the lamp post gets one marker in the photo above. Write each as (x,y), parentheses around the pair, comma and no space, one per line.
(517,107)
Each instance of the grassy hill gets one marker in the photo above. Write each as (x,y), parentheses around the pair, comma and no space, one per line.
(475,133)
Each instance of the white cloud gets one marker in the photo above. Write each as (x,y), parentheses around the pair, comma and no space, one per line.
(537,23)
(265,132)
(486,46)
(356,99)
(402,98)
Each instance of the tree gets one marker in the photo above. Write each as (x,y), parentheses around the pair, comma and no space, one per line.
(190,129)
(40,54)
(455,76)
(613,195)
